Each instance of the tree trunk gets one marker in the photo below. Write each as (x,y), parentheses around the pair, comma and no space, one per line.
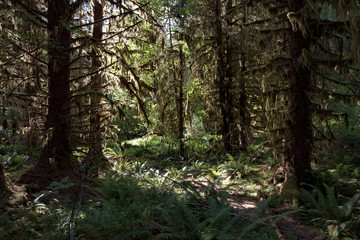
(95,97)
(58,146)
(220,77)
(32,136)
(297,154)
(4,122)
(243,112)
(3,182)
(6,185)
(180,104)
(237,117)
(244,128)
(229,85)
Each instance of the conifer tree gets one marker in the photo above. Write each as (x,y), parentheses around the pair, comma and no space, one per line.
(309,48)
(220,62)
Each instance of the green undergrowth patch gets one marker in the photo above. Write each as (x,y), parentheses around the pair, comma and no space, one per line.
(47,216)
(18,155)
(153,193)
(15,157)
(137,203)
(229,172)
(336,215)
(331,202)
(155,147)
(129,207)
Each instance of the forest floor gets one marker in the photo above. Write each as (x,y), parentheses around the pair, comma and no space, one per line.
(299,229)
(246,180)
(20,200)
(240,199)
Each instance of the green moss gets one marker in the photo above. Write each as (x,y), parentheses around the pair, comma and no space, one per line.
(290,191)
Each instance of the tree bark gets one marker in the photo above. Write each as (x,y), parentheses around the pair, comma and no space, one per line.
(4,121)
(3,181)
(297,154)
(244,128)
(220,76)
(237,116)
(243,112)
(96,85)
(58,145)
(181,104)
(229,85)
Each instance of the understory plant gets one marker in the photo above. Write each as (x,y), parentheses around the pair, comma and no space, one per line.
(126,208)
(341,216)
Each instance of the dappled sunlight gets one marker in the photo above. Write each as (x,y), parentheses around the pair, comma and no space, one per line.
(179,120)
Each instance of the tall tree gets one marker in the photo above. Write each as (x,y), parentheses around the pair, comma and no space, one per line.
(220,60)
(21,54)
(302,51)
(97,84)
(180,102)
(298,140)
(220,74)
(58,146)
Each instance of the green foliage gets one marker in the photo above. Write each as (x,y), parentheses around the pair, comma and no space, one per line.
(125,209)
(231,168)
(121,212)
(54,221)
(39,222)
(53,190)
(150,147)
(20,225)
(319,178)
(214,173)
(12,161)
(215,220)
(175,173)
(15,156)
(197,146)
(129,123)
(236,167)
(139,201)
(341,219)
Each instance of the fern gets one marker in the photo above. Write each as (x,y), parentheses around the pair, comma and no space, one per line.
(339,217)
(333,206)
(128,210)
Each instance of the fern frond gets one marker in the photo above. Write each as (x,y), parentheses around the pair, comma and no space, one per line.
(349,205)
(333,207)
(311,199)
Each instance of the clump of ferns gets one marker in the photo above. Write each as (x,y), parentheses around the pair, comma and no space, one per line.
(211,217)
(341,216)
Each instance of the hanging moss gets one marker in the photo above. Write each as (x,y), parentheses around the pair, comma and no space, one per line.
(305,59)
(298,21)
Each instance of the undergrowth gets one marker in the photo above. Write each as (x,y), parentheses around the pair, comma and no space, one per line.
(153,193)
(125,209)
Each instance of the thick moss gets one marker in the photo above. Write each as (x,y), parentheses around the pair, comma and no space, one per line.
(290,191)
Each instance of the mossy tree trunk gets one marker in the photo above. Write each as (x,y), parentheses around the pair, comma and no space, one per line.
(230,59)
(58,145)
(3,111)
(299,137)
(236,95)
(220,76)
(180,104)
(244,125)
(96,85)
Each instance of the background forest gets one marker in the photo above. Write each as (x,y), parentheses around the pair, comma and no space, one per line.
(180,119)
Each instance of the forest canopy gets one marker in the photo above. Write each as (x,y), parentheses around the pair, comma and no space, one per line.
(171,114)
